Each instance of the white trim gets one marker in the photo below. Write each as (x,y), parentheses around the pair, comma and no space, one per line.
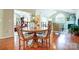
(6,37)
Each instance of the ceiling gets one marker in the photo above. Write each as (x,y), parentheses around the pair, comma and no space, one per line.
(32,11)
(70,10)
(48,12)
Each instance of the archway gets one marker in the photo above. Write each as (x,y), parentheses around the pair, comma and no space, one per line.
(60,21)
(60,18)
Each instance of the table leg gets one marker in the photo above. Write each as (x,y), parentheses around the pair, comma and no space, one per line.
(35,41)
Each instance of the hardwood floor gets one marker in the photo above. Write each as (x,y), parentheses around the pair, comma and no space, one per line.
(7,44)
(63,41)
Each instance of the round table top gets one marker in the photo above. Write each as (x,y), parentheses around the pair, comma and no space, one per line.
(34,30)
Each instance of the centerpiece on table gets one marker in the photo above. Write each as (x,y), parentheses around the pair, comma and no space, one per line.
(36,22)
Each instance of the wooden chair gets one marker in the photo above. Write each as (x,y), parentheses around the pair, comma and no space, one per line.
(46,38)
(23,41)
(21,38)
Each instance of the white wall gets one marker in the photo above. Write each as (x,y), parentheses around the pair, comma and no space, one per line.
(77,17)
(1,23)
(7,23)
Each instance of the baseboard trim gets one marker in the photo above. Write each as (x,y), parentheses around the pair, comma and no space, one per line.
(6,37)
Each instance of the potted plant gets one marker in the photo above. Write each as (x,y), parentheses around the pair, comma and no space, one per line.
(74,29)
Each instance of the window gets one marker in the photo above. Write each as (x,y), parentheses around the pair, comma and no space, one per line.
(44,22)
(60,18)
(18,14)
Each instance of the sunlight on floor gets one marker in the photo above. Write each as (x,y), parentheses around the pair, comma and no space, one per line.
(61,41)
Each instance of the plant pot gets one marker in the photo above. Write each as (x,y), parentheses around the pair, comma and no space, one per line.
(75,38)
(76,34)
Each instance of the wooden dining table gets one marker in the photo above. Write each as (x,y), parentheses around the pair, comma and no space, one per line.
(35,37)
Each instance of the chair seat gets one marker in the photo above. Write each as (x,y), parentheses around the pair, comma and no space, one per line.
(28,35)
(41,34)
